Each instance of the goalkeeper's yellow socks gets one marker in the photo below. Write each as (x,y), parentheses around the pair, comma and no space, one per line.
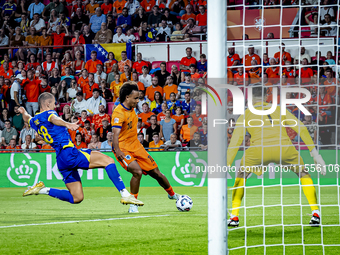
(237,196)
(309,191)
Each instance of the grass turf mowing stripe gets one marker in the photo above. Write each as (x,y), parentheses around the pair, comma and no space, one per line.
(78,221)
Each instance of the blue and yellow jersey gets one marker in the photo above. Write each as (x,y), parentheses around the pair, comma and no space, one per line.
(57,136)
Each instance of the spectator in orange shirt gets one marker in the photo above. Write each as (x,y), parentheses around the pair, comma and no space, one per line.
(83,117)
(89,87)
(241,78)
(331,90)
(150,91)
(12,146)
(98,118)
(284,55)
(106,7)
(156,143)
(91,8)
(255,73)
(201,17)
(118,7)
(115,87)
(124,61)
(58,39)
(188,15)
(31,86)
(197,116)
(91,65)
(169,88)
(47,148)
(137,66)
(250,56)
(145,115)
(84,79)
(273,72)
(324,99)
(187,61)
(135,79)
(148,5)
(5,71)
(305,73)
(126,76)
(188,130)
(79,141)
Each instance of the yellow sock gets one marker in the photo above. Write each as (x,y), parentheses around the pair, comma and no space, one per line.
(237,196)
(309,191)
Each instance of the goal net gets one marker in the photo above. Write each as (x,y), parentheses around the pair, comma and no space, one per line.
(281,47)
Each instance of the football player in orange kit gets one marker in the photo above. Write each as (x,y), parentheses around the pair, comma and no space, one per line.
(128,150)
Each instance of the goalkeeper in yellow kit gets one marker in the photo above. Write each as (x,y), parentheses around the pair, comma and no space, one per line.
(271,144)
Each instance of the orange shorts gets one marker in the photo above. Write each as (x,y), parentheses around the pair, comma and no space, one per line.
(143,158)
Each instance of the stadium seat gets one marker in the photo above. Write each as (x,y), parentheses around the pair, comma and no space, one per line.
(110,106)
(170,63)
(156,64)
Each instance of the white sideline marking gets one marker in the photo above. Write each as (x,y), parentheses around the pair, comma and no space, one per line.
(77,221)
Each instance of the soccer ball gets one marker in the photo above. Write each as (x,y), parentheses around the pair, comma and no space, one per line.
(184,203)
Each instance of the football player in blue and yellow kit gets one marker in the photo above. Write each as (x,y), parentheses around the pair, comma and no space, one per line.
(53,130)
(271,144)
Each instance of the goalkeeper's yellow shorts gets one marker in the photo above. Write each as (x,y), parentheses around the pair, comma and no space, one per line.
(285,155)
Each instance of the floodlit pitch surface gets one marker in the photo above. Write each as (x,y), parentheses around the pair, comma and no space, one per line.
(101,225)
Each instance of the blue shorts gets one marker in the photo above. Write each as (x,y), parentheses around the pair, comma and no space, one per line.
(69,160)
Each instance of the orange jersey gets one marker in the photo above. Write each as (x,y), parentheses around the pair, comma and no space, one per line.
(145,117)
(188,133)
(187,62)
(82,82)
(6,75)
(91,66)
(255,75)
(150,92)
(82,145)
(82,122)
(198,120)
(232,59)
(147,5)
(119,6)
(88,90)
(138,66)
(126,119)
(240,79)
(140,85)
(160,116)
(87,135)
(178,119)
(115,87)
(97,120)
(109,65)
(280,56)
(167,90)
(273,75)
(247,60)
(122,63)
(47,147)
(153,145)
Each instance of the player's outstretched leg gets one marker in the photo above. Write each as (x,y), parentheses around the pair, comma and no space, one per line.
(73,195)
(99,160)
(164,182)
(310,193)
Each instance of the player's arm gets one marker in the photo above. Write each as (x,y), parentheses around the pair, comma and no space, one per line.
(236,141)
(119,154)
(306,138)
(60,122)
(26,117)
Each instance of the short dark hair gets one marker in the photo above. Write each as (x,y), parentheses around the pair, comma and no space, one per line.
(79,134)
(94,52)
(163,63)
(140,134)
(6,121)
(126,90)
(83,111)
(155,133)
(43,97)
(87,122)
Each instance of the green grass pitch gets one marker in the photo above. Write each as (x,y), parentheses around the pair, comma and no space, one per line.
(159,228)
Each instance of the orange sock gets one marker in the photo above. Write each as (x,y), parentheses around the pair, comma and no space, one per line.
(135,195)
(170,191)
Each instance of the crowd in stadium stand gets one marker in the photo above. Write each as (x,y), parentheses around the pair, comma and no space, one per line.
(319,74)
(84,90)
